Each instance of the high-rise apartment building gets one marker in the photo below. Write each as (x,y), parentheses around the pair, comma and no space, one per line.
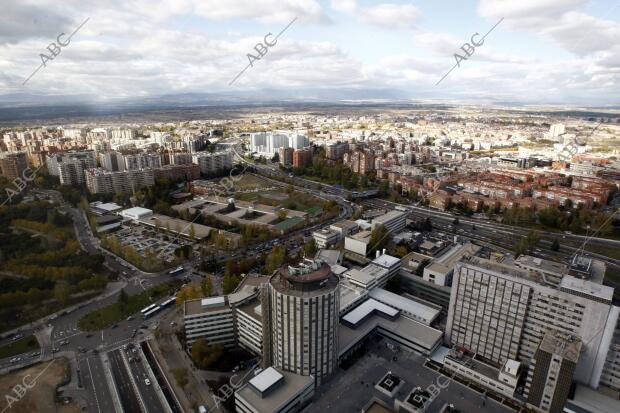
(502,312)
(112,161)
(360,161)
(302,157)
(13,165)
(143,161)
(336,151)
(71,172)
(125,134)
(212,163)
(271,142)
(286,156)
(99,181)
(304,303)
(188,172)
(86,158)
(180,158)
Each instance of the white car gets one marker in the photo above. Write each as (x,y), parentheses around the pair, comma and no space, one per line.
(147,382)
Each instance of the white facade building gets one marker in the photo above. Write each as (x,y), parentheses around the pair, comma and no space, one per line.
(99,181)
(143,161)
(270,142)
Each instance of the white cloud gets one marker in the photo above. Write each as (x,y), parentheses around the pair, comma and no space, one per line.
(345,6)
(385,15)
(404,16)
(140,48)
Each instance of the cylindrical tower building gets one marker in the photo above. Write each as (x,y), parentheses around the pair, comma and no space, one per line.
(304,304)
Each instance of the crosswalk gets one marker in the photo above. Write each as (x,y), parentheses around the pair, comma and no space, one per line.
(65,332)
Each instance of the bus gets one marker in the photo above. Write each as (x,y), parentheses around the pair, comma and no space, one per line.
(176,271)
(169,301)
(151,312)
(147,309)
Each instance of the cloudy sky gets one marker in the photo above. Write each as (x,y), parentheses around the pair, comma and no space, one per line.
(543,51)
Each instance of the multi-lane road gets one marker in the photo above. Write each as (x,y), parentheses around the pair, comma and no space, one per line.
(93,380)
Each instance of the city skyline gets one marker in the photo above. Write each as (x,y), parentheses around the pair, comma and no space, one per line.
(543,52)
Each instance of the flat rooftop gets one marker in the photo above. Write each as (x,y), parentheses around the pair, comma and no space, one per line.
(350,293)
(564,345)
(366,275)
(474,364)
(247,288)
(418,333)
(362,236)
(581,286)
(346,224)
(195,307)
(388,217)
(404,304)
(253,309)
(291,385)
(265,379)
(386,261)
(176,225)
(366,308)
(136,211)
(108,207)
(549,266)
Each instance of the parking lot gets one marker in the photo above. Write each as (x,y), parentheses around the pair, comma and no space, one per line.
(144,240)
(352,389)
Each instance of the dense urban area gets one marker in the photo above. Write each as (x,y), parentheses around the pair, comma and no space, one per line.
(419,260)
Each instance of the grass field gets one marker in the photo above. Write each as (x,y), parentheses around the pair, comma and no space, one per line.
(296,201)
(248,181)
(23,345)
(113,313)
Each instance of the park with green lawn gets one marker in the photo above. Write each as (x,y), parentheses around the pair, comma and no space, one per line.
(23,345)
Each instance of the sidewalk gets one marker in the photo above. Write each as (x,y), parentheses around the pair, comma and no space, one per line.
(197,392)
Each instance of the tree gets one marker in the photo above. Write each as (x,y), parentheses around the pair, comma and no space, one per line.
(384,188)
(275,259)
(189,292)
(310,248)
(401,251)
(204,354)
(456,221)
(62,292)
(282,214)
(207,286)
(555,246)
(378,238)
(230,283)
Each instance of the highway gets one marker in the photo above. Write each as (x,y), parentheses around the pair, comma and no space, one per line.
(124,386)
(94,382)
(138,370)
